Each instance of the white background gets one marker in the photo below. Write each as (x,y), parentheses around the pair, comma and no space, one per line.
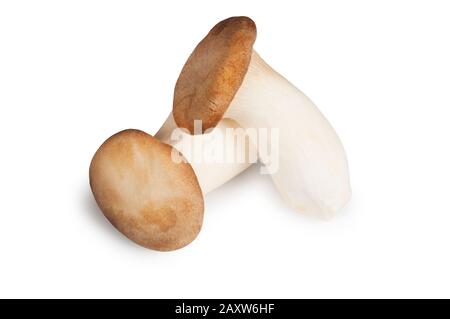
(74,72)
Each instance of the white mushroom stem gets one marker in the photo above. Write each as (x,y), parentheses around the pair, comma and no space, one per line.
(312,172)
(213,172)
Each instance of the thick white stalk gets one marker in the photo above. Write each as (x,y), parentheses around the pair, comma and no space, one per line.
(313,173)
(213,172)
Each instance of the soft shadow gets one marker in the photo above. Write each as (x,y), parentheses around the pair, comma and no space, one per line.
(248,179)
(269,192)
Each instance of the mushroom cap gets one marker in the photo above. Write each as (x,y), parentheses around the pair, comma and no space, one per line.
(213,73)
(147,196)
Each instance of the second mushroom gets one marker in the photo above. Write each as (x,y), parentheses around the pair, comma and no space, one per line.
(226,78)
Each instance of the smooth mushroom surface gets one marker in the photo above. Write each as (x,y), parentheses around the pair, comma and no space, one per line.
(212,174)
(144,194)
(213,73)
(224,77)
(148,196)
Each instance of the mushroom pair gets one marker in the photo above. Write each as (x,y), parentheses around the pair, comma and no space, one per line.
(158,203)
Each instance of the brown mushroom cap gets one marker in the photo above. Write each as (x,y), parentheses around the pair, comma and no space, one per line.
(213,73)
(152,200)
